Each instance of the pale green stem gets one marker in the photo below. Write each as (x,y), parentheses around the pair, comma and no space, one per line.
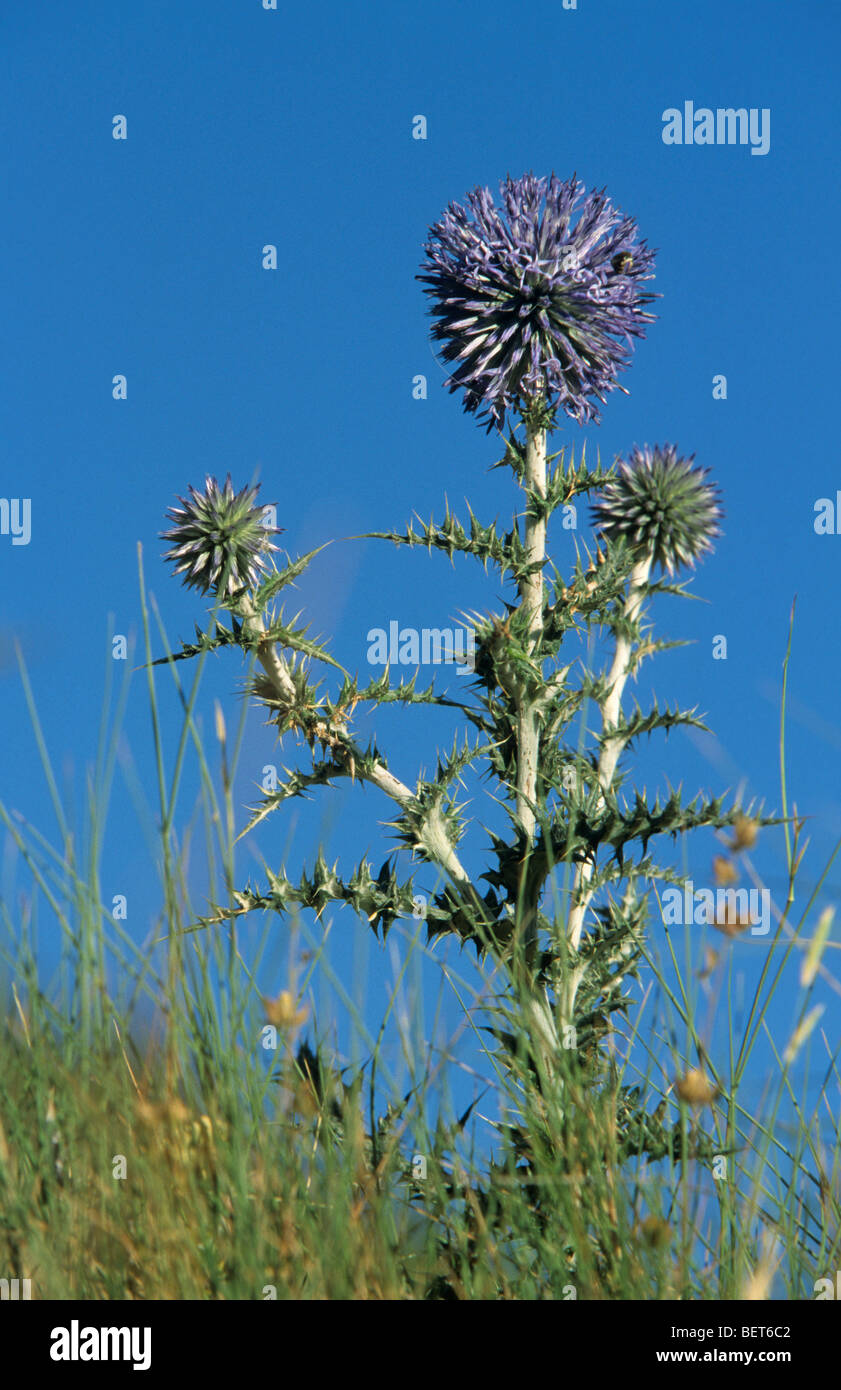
(531,603)
(434,836)
(611,750)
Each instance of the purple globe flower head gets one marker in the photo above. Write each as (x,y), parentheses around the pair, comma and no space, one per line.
(220,540)
(537,300)
(661,507)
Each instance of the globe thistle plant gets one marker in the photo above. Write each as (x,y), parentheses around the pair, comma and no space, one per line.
(536,300)
(661,507)
(219,540)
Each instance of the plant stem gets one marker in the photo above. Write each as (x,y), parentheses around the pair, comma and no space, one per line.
(267,653)
(611,750)
(531,603)
(435,840)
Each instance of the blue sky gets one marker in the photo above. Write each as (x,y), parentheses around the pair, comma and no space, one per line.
(294,127)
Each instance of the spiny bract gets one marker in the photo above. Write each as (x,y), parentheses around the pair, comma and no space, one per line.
(220,540)
(661,506)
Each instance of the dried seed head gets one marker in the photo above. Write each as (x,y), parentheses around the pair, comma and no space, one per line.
(745,832)
(696,1088)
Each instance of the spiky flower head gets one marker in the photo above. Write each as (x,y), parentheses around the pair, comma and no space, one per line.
(660,506)
(536,300)
(219,539)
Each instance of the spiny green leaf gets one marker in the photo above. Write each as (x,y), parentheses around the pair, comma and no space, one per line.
(280,578)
